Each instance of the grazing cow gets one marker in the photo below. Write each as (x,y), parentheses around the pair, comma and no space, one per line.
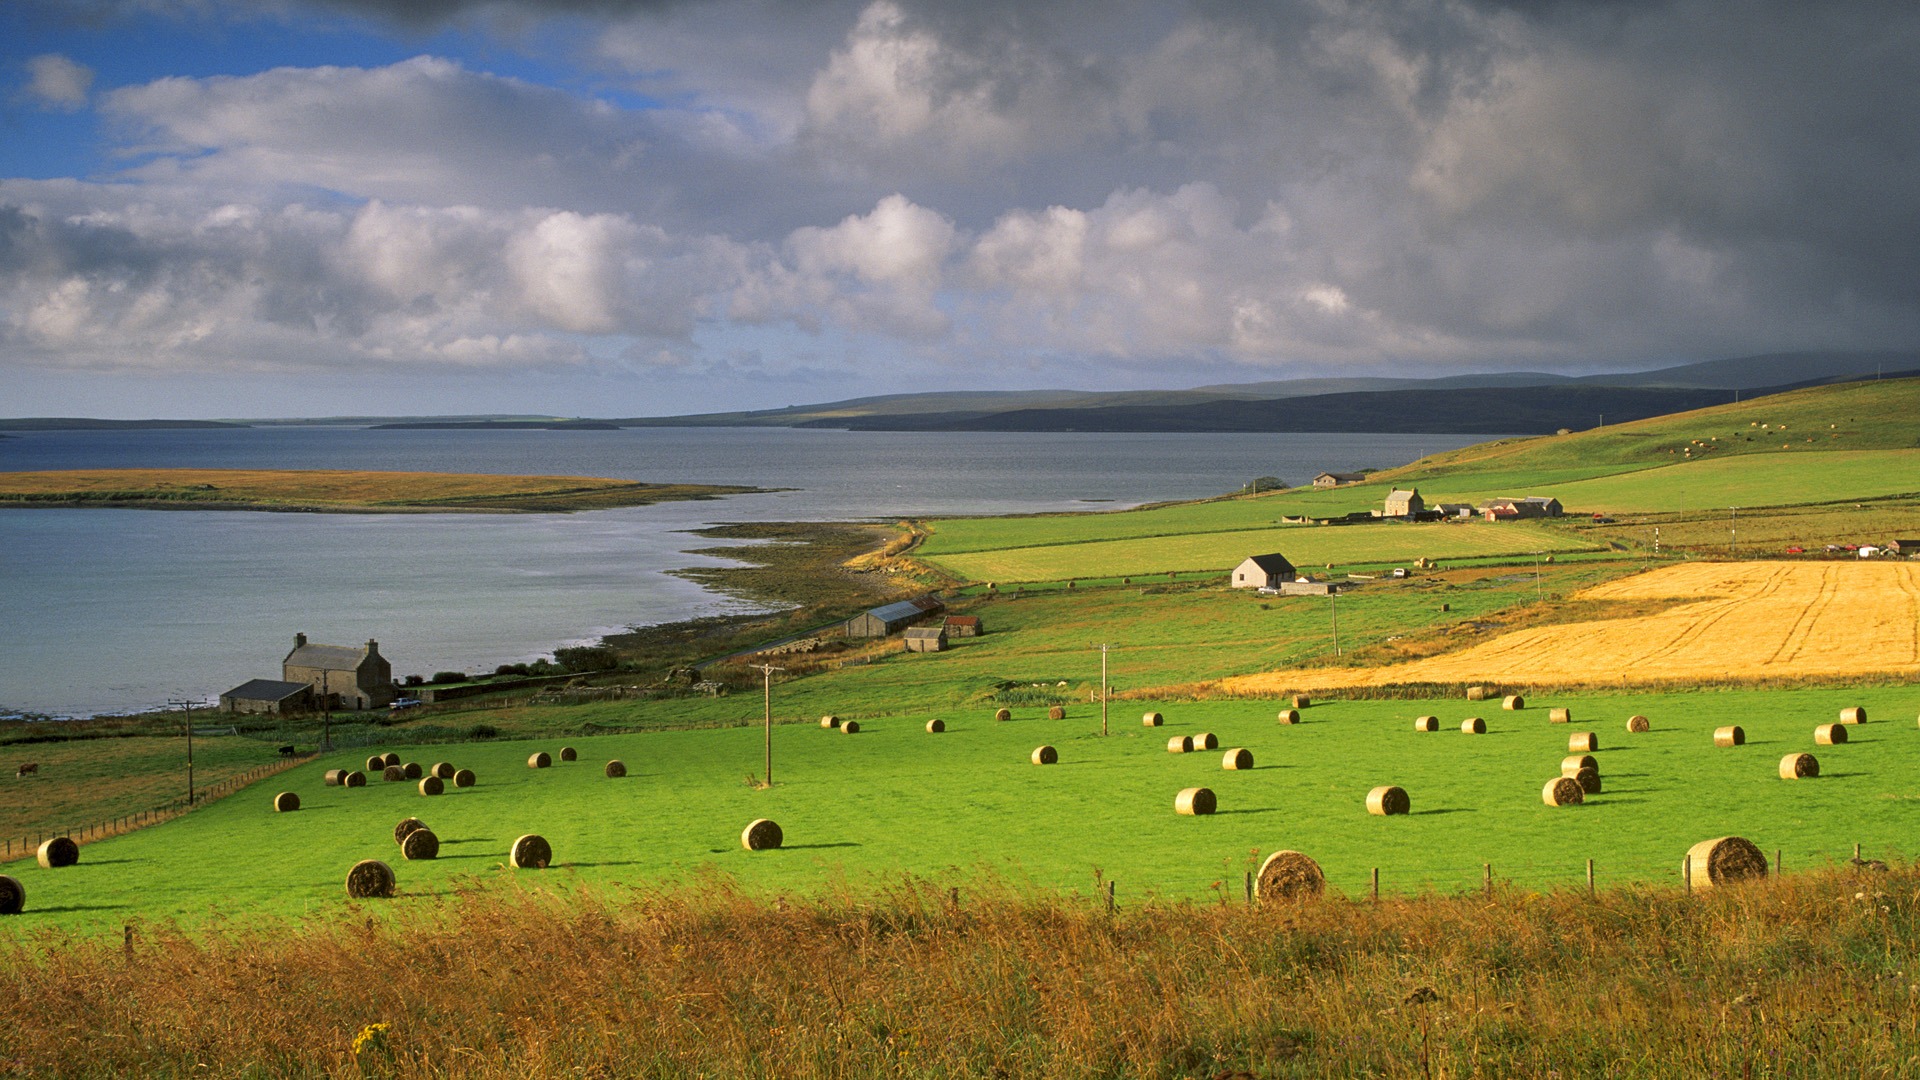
(29,767)
(286,751)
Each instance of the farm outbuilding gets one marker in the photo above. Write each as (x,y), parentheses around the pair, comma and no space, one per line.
(1335,479)
(1263,572)
(1404,504)
(892,618)
(1533,506)
(348,677)
(964,626)
(926,639)
(1908,548)
(267,696)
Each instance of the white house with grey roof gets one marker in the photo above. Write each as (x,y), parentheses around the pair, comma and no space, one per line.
(1263,572)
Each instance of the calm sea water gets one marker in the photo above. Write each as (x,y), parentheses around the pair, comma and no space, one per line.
(109,610)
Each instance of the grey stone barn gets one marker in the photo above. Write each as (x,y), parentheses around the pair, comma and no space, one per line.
(1263,572)
(346,677)
(925,639)
(892,618)
(267,696)
(1335,479)
(964,626)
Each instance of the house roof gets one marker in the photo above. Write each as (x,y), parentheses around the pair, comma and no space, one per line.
(904,609)
(926,632)
(267,690)
(1275,563)
(1403,493)
(1347,477)
(327,657)
(963,620)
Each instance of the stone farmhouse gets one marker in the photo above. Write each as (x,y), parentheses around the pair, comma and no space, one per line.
(1405,504)
(345,676)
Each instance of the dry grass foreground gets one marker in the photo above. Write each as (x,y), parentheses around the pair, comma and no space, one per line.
(1808,975)
(333,489)
(1747,620)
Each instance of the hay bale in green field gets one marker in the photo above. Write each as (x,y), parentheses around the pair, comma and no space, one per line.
(286,802)
(1638,724)
(1206,740)
(1830,734)
(1426,723)
(1152,719)
(405,826)
(568,753)
(829,721)
(616,769)
(762,834)
(1237,759)
(540,760)
(393,774)
(356,778)
(1573,763)
(1044,755)
(1195,802)
(850,727)
(412,770)
(1559,715)
(1289,717)
(1387,800)
(1799,767)
(464,778)
(443,769)
(1563,791)
(1853,714)
(388,760)
(370,879)
(376,763)
(1513,703)
(1300,701)
(1589,780)
(1289,875)
(13,896)
(1058,712)
(336,777)
(531,852)
(420,844)
(1731,735)
(58,852)
(1724,861)
(1003,714)
(1473,725)
(1583,742)
(1478,693)
(936,725)
(432,785)
(1180,744)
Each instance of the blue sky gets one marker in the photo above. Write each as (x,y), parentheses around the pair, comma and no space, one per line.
(631,207)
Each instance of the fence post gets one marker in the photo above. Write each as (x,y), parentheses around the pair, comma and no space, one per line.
(1376,884)
(1486,878)
(1109,897)
(1777,864)
(1856,853)
(1686,870)
(1589,879)
(1249,888)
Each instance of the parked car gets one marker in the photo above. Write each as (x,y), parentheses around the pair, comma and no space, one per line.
(404,703)
(1796,550)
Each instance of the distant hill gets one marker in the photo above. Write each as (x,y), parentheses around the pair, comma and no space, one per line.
(81,423)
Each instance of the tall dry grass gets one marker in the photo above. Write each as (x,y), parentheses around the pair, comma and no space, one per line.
(1813,975)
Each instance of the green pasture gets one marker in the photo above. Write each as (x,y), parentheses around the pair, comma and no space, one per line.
(1307,546)
(894,799)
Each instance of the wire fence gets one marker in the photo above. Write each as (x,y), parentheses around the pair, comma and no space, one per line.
(12,848)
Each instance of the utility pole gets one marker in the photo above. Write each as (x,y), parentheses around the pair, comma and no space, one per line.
(766,689)
(188,707)
(1103,686)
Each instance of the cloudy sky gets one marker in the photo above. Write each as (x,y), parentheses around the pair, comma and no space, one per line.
(631,207)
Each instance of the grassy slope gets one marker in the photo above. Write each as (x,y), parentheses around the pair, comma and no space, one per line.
(895,799)
(333,490)
(88,781)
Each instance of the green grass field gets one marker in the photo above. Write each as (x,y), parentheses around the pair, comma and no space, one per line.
(894,799)
(1307,546)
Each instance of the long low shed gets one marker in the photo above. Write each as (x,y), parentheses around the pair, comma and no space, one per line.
(891,618)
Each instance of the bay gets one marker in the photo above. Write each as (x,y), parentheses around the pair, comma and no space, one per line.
(114,610)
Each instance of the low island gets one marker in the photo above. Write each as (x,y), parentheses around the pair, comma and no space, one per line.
(338,491)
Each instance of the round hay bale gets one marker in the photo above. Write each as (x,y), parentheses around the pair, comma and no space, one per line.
(1559,715)
(1575,762)
(393,774)
(1637,724)
(432,785)
(829,721)
(1045,755)
(1152,719)
(1724,861)
(443,769)
(1513,703)
(616,769)
(464,778)
(389,759)
(286,802)
(1830,734)
(1236,759)
(850,727)
(59,851)
(1853,714)
(762,834)
(13,896)
(1195,801)
(1289,875)
(1589,780)
(412,771)
(568,753)
(376,763)
(1003,714)
(1387,799)
(405,826)
(1300,701)
(1473,725)
(336,777)
(1180,744)
(1478,693)
(356,778)
(1563,791)
(936,725)
(540,760)
(1731,735)
(1058,712)
(420,844)
(531,852)
(1426,723)
(369,879)
(1206,740)
(1289,716)
(1583,742)
(1799,767)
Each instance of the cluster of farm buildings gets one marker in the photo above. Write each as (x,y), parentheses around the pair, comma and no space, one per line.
(316,677)
(1408,505)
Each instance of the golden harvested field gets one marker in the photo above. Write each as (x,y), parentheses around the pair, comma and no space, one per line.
(331,489)
(1746,620)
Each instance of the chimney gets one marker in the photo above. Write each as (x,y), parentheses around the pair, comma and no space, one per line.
(299,640)
(373,647)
